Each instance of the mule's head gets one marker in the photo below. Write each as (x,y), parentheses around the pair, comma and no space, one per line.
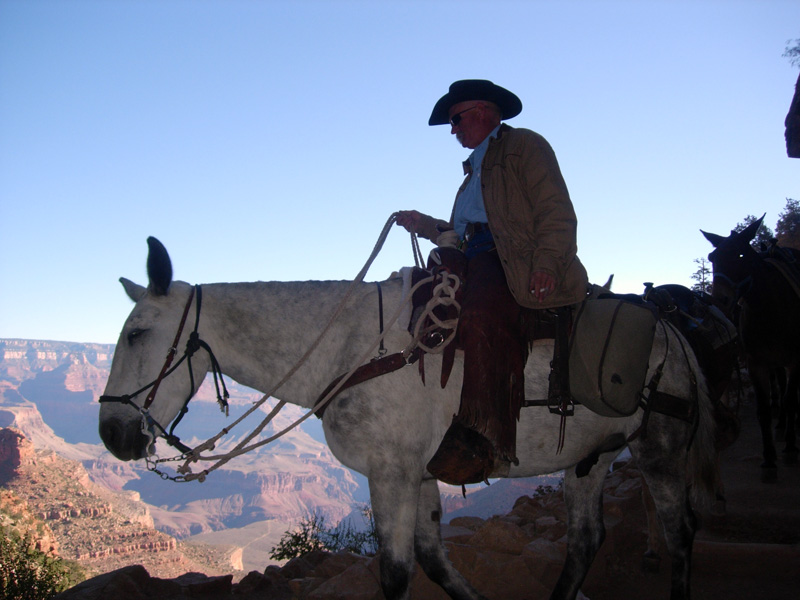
(732,258)
(127,428)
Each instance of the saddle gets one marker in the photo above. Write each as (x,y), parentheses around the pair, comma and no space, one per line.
(487,418)
(494,333)
(535,324)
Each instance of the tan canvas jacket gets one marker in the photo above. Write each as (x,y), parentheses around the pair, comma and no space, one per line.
(530,215)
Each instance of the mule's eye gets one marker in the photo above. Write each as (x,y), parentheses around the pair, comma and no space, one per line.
(134,334)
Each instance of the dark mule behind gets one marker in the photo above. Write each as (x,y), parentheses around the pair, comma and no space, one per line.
(792,123)
(765,286)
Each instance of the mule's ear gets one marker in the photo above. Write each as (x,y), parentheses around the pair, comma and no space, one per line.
(749,232)
(715,239)
(134,290)
(159,267)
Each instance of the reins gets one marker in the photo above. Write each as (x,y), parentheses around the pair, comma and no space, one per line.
(405,357)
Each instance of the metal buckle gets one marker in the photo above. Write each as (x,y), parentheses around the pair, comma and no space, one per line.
(469,231)
(472,229)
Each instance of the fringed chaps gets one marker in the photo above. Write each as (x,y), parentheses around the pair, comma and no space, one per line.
(495,352)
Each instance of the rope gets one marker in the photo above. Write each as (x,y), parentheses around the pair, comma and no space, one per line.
(243,447)
(444,294)
(419,262)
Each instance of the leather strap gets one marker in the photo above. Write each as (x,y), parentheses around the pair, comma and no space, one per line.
(374,368)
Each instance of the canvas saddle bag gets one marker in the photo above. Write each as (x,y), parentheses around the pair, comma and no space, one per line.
(609,354)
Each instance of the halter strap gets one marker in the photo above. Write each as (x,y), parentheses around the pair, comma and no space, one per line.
(128,398)
(172,351)
(193,344)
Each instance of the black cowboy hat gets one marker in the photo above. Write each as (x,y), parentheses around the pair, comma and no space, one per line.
(475,89)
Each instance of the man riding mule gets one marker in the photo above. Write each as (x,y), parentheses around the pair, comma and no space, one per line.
(389,427)
(515,224)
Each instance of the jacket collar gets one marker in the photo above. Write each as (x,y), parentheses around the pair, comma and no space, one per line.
(503,128)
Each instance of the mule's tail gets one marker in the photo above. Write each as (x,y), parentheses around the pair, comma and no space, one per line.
(702,459)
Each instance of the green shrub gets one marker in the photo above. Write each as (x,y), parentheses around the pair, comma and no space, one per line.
(312,534)
(30,574)
(545,490)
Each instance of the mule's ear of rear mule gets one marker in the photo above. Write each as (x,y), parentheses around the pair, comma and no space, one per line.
(159,267)
(715,239)
(749,232)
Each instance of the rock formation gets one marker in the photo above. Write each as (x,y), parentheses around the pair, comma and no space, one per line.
(752,552)
(86,523)
(514,556)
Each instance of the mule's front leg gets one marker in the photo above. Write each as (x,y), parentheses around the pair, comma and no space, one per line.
(789,405)
(429,549)
(394,508)
(760,377)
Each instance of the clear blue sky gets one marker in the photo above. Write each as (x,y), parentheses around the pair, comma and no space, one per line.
(272,140)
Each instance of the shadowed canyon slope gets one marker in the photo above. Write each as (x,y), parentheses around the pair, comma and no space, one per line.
(49,391)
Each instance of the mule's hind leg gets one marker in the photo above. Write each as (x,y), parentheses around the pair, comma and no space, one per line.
(666,478)
(429,549)
(651,561)
(585,530)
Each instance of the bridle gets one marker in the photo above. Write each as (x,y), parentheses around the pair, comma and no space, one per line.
(739,288)
(151,427)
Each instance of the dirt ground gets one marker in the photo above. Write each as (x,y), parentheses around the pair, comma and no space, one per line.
(752,552)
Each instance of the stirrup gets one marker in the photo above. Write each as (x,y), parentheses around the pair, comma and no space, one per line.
(464,456)
(559,398)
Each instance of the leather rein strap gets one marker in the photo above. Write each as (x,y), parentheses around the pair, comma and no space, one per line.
(381,365)
(375,368)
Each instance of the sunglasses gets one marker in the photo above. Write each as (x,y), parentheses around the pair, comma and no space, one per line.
(456,118)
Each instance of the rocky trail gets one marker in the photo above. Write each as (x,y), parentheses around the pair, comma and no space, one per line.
(753,551)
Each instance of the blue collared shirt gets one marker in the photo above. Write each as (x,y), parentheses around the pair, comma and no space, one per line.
(469,207)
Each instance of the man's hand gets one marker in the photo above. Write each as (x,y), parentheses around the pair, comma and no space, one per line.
(409,219)
(542,285)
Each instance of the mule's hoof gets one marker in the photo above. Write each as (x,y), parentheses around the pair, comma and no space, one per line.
(651,562)
(769,473)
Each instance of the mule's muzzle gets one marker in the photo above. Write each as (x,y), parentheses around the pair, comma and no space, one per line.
(125,439)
